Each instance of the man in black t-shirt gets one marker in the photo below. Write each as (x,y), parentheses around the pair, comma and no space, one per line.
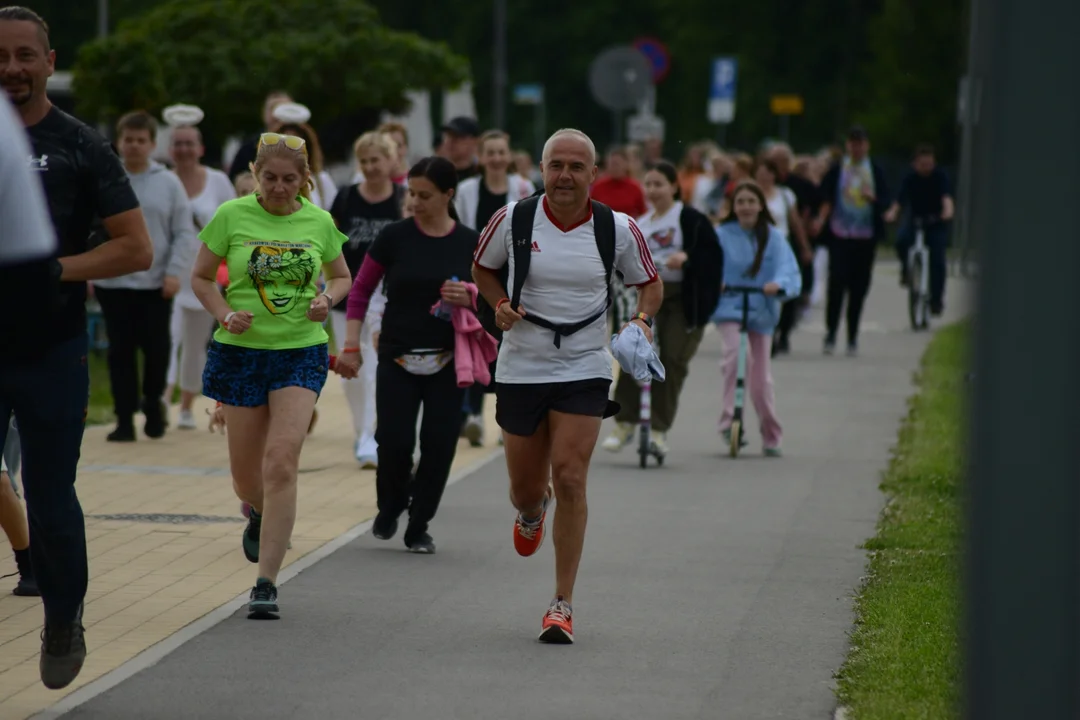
(43,371)
(927,194)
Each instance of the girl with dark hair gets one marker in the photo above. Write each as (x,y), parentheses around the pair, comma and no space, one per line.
(755,253)
(419,260)
(687,255)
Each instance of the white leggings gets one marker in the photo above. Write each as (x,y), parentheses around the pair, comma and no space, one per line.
(190,330)
(359,391)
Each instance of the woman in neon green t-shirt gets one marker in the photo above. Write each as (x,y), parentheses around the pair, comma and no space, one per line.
(268,361)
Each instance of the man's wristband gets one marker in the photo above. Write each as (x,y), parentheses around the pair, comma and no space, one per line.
(642,317)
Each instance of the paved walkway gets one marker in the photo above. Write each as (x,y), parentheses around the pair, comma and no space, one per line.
(711,588)
(163,528)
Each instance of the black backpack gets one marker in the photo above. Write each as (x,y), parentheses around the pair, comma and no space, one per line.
(521,234)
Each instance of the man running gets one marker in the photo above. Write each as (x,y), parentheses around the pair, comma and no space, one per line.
(43,371)
(554,370)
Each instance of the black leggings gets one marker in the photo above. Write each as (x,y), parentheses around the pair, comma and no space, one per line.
(789,311)
(398,397)
(851,265)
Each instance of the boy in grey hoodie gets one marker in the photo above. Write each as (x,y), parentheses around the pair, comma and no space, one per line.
(137,307)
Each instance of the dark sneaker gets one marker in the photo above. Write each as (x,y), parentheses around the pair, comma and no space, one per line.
(829,347)
(27,585)
(384,527)
(420,543)
(251,536)
(852,349)
(262,603)
(63,651)
(558,625)
(154,411)
(124,432)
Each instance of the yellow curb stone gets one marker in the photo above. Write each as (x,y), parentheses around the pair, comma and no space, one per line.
(150,577)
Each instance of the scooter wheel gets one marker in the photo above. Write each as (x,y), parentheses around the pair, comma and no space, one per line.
(736,437)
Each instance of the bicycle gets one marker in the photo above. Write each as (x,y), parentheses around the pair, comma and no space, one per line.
(736,434)
(918,277)
(646,447)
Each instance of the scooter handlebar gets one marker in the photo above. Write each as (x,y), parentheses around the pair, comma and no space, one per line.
(748,289)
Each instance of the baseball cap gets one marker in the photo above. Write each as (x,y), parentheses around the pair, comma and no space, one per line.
(858,132)
(463,126)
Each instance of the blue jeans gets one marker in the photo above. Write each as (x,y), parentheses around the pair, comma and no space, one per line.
(936,239)
(49,399)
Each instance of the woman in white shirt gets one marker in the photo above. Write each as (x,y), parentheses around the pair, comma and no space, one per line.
(191,324)
(784,209)
(688,257)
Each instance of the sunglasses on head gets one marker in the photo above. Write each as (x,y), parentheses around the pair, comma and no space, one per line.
(291,141)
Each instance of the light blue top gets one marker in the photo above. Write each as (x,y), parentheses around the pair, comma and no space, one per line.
(778,265)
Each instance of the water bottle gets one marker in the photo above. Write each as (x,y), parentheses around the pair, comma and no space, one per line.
(444,310)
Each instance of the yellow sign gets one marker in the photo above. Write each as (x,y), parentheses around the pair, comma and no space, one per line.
(786,105)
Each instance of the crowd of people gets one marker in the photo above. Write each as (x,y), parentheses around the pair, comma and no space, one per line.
(443,280)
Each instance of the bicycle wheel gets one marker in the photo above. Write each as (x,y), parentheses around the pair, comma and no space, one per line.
(916,301)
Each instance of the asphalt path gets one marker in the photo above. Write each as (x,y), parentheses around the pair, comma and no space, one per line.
(710,588)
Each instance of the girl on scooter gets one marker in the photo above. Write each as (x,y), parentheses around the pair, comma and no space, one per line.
(757,254)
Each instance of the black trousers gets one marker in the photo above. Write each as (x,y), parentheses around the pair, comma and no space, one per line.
(398,397)
(789,311)
(851,265)
(49,401)
(136,320)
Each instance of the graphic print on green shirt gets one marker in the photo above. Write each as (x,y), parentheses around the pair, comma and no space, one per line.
(274,263)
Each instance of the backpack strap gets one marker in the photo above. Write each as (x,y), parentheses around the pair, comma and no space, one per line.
(604,229)
(521,226)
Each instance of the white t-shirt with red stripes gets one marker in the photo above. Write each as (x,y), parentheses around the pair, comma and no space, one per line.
(565,285)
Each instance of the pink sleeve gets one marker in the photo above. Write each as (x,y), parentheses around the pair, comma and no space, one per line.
(367,279)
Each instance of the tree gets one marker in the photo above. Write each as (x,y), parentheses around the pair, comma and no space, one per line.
(225,55)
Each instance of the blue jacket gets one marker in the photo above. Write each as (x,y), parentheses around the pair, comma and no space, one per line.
(778,265)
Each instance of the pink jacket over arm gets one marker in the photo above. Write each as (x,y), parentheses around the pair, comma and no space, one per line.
(474,348)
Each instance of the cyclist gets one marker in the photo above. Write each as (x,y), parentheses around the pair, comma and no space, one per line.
(927,193)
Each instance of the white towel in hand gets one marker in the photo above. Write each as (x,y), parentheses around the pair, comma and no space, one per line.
(636,355)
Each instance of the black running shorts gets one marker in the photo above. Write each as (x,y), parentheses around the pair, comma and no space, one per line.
(521,407)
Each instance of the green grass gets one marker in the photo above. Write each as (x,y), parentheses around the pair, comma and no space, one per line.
(904,662)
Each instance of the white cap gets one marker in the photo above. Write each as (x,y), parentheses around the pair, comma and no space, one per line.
(291,112)
(182,115)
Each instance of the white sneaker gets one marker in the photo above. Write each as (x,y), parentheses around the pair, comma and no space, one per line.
(474,430)
(619,438)
(186,421)
(659,442)
(367,453)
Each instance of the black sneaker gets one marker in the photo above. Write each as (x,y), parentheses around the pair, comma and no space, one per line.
(63,651)
(154,411)
(251,537)
(385,526)
(262,603)
(420,543)
(829,346)
(124,432)
(27,585)
(853,349)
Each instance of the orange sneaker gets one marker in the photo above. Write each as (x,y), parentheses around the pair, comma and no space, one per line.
(529,536)
(558,625)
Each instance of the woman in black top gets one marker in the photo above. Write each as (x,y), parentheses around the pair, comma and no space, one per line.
(417,259)
(361,211)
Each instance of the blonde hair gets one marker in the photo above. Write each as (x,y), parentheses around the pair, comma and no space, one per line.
(379,140)
(394,127)
(299,157)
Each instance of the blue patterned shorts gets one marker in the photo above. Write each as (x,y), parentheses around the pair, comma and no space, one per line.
(245,377)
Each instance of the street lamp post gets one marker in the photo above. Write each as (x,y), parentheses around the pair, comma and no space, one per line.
(499,77)
(103,18)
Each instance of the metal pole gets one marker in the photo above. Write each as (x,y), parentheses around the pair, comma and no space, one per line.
(1022,611)
(963,231)
(721,135)
(499,85)
(103,18)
